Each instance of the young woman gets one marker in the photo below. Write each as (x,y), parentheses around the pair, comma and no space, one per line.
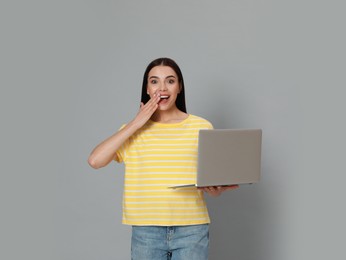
(159,149)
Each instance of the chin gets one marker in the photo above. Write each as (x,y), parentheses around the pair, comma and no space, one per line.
(165,108)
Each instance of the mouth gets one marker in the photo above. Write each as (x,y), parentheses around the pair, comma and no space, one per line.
(163,99)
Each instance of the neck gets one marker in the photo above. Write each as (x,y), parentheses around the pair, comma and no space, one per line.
(169,116)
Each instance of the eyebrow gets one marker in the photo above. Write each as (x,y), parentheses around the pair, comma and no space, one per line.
(156,77)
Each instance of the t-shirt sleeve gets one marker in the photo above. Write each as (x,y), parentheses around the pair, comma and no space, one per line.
(207,125)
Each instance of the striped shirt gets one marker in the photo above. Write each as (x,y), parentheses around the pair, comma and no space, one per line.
(156,157)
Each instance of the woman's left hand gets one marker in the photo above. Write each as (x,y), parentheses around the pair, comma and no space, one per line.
(215,191)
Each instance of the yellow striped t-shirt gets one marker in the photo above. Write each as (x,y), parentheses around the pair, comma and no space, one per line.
(156,157)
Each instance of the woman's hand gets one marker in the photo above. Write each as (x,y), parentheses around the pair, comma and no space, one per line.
(215,191)
(147,110)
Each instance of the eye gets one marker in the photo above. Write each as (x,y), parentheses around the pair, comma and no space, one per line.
(171,81)
(153,81)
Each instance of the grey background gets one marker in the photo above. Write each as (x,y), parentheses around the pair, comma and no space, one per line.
(71,74)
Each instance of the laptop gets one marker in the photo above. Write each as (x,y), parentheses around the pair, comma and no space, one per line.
(228,157)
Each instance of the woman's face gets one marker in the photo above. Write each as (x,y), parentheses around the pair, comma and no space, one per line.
(164,81)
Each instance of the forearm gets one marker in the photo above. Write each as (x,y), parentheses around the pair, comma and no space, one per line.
(105,152)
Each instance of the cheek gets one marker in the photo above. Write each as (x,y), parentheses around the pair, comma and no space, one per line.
(150,90)
(177,90)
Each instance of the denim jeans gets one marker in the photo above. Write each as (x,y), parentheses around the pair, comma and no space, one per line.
(170,243)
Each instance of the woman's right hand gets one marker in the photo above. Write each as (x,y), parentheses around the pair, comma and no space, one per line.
(147,110)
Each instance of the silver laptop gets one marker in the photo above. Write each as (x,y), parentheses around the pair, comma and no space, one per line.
(227,157)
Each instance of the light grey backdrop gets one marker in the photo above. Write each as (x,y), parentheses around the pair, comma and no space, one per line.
(71,74)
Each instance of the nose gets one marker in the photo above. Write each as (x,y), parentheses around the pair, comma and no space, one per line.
(163,87)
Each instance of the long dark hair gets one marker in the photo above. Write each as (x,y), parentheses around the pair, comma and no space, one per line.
(180,102)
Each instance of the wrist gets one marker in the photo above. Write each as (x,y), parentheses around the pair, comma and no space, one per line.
(134,125)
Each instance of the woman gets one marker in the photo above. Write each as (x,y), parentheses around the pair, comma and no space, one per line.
(159,149)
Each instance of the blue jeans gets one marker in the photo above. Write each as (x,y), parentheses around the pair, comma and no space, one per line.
(170,243)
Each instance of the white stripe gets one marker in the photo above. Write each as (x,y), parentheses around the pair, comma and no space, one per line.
(162,179)
(146,185)
(137,220)
(202,126)
(162,155)
(141,185)
(157,185)
(162,191)
(164,161)
(158,173)
(163,214)
(176,144)
(139,174)
(169,134)
(170,150)
(159,202)
(168,174)
(160,167)
(159,196)
(158,137)
(166,208)
(174,139)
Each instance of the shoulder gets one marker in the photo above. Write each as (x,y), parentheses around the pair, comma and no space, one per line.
(200,121)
